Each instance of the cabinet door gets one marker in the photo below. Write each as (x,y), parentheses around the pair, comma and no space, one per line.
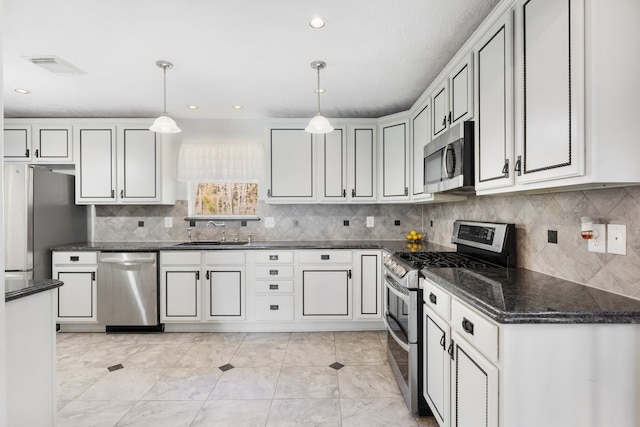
(180,294)
(461,92)
(52,144)
(440,104)
(332,152)
(436,366)
(292,170)
(139,165)
(325,293)
(225,293)
(494,105)
(361,164)
(474,395)
(421,136)
(550,50)
(367,292)
(17,143)
(96,165)
(394,164)
(76,300)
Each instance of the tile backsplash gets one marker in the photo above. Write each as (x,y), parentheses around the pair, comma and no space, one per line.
(533,215)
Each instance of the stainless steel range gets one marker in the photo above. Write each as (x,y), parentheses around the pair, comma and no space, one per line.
(479,244)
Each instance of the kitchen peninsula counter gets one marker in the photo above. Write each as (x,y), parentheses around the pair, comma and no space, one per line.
(20,288)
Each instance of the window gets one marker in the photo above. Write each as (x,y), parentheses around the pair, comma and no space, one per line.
(224,199)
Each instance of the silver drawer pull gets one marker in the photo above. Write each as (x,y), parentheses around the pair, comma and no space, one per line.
(74,258)
(273,287)
(273,257)
(273,272)
(324,257)
(274,307)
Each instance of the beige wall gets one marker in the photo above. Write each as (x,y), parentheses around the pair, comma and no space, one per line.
(535,214)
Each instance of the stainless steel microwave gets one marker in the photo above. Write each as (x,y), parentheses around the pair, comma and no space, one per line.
(449,161)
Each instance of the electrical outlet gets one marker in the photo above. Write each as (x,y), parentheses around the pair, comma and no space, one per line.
(370,222)
(599,241)
(168,222)
(269,222)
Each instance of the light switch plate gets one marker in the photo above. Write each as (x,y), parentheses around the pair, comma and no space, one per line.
(269,222)
(598,244)
(370,221)
(617,239)
(168,222)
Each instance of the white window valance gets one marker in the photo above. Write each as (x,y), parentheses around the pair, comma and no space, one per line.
(220,162)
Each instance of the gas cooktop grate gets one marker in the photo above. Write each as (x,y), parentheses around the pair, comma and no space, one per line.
(441,260)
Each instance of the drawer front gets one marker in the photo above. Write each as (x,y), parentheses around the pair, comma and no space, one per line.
(274,286)
(437,299)
(180,258)
(324,257)
(274,307)
(274,257)
(273,271)
(224,257)
(74,258)
(475,328)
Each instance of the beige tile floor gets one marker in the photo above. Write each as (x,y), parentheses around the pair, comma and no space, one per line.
(277,379)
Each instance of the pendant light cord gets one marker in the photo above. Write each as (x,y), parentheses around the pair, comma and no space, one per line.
(164,71)
(318,90)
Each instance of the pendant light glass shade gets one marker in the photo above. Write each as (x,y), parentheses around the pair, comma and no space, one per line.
(164,123)
(319,123)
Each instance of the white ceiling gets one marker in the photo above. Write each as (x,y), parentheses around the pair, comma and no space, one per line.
(380,54)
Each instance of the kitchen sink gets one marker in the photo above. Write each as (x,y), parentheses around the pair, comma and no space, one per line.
(207,243)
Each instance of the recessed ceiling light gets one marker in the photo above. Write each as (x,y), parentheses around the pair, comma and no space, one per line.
(319,90)
(317,22)
(23,91)
(237,107)
(192,107)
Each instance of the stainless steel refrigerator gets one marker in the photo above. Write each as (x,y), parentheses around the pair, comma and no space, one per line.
(40,212)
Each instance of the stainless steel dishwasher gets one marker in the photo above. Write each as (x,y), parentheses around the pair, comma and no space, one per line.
(128,291)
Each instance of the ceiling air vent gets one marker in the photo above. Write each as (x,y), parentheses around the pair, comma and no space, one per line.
(55,64)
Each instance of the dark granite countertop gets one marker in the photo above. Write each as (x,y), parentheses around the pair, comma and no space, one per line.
(390,245)
(19,288)
(514,295)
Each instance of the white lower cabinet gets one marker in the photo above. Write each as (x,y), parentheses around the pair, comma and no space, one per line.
(273,286)
(180,293)
(367,284)
(323,280)
(436,366)
(76,301)
(224,285)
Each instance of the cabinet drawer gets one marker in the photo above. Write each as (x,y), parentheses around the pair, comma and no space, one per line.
(476,329)
(274,307)
(74,258)
(437,299)
(224,257)
(273,271)
(274,257)
(324,257)
(180,258)
(274,286)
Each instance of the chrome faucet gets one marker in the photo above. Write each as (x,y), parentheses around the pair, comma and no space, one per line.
(218,224)
(189,233)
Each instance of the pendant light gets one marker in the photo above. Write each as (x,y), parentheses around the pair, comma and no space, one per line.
(319,124)
(164,123)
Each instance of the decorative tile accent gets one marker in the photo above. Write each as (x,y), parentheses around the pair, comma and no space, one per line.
(226,367)
(115,367)
(336,366)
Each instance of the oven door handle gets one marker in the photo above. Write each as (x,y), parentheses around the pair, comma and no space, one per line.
(402,344)
(396,292)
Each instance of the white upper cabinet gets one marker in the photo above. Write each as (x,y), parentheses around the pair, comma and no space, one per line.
(34,141)
(292,171)
(494,106)
(550,43)
(393,171)
(361,163)
(123,163)
(452,98)
(332,166)
(420,136)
